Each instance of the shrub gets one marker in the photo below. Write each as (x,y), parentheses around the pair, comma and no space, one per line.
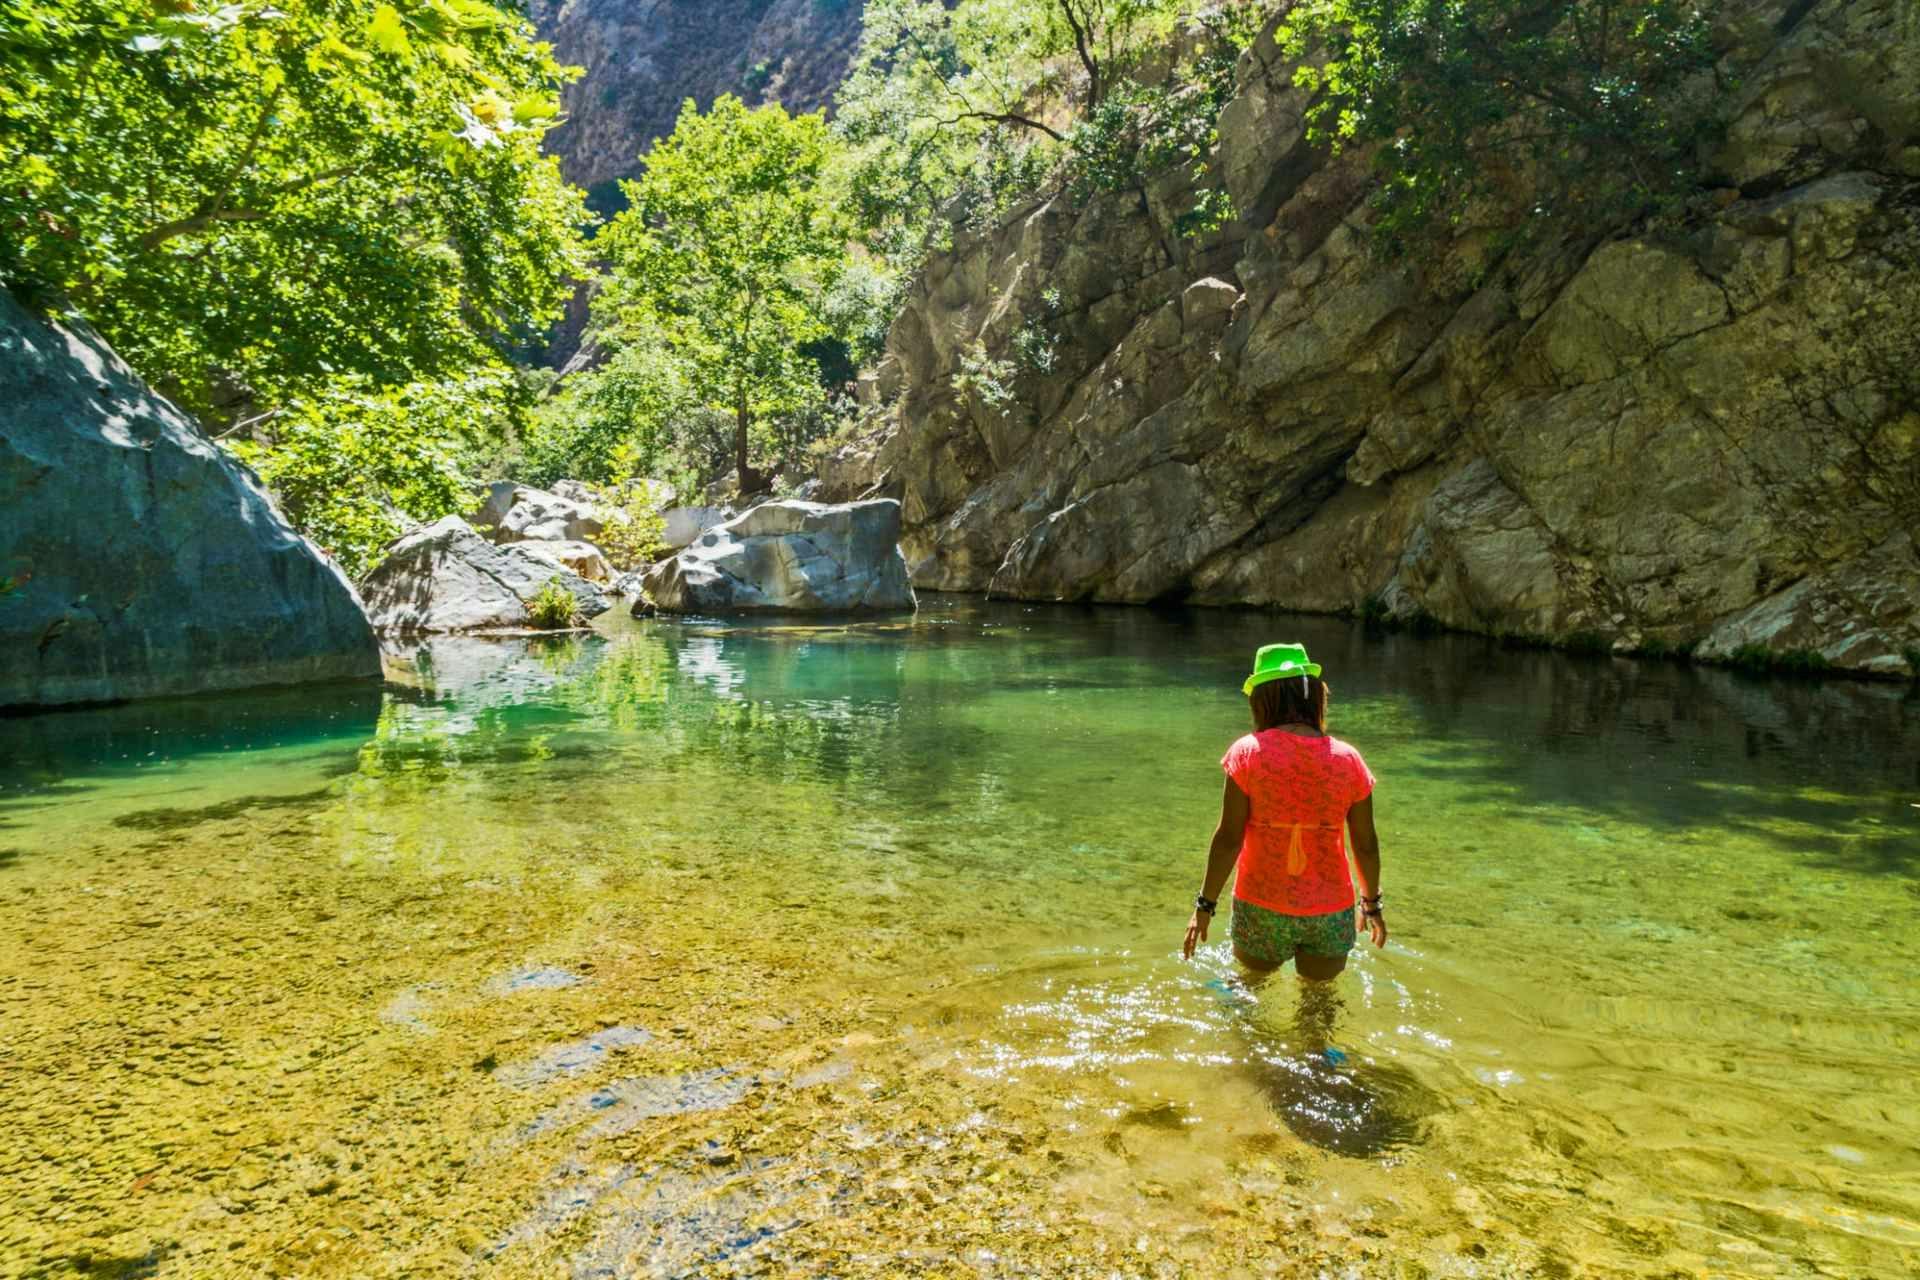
(1792,662)
(348,464)
(631,529)
(554,608)
(1655,647)
(989,379)
(1596,107)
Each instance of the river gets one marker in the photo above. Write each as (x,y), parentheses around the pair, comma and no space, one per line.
(710,949)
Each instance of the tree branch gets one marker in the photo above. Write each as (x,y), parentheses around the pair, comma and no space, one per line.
(1008,117)
(166,231)
(1087,59)
(211,213)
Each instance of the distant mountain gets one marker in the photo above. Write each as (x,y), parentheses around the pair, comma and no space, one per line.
(643,58)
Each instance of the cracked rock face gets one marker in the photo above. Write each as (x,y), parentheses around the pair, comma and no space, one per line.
(1699,438)
(643,58)
(446,577)
(148,562)
(791,556)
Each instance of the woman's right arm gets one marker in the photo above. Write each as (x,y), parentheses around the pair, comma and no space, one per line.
(1222,853)
(1366,866)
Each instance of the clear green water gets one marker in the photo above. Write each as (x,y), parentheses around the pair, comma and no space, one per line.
(687,950)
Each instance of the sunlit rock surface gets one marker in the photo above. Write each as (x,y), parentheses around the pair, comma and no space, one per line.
(446,577)
(1659,441)
(684,524)
(146,560)
(798,556)
(539,516)
(582,558)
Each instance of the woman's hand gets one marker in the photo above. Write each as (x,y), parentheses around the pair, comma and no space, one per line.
(1374,926)
(1196,932)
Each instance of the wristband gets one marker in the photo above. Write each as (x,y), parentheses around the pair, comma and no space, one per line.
(1201,902)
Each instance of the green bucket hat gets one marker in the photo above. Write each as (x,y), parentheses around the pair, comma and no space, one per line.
(1277,662)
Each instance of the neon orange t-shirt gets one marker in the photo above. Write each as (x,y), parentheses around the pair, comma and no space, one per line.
(1293,858)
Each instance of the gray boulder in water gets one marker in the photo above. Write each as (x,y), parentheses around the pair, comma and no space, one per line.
(446,577)
(153,563)
(791,556)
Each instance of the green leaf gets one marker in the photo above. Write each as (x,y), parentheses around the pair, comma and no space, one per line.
(531,110)
(388,32)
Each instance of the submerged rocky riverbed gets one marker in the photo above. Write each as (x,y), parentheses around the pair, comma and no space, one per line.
(757,949)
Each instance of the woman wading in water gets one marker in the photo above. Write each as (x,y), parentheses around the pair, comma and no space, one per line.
(1291,791)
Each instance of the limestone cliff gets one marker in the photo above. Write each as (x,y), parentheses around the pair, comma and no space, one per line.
(1709,438)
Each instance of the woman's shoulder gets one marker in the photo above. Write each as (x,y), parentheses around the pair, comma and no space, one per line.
(1341,747)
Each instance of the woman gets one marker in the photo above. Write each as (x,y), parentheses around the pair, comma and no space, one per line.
(1290,790)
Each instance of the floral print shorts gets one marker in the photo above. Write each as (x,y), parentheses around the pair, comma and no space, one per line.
(1270,937)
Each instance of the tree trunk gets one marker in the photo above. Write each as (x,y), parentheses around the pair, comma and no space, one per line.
(743,474)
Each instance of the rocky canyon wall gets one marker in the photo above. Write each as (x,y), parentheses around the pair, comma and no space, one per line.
(1704,439)
(643,58)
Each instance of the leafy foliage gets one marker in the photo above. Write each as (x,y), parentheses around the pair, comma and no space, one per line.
(348,465)
(271,195)
(553,608)
(955,114)
(633,528)
(726,256)
(626,413)
(1589,111)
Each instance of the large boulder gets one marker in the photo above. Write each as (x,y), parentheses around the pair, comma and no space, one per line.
(539,516)
(154,563)
(582,558)
(682,525)
(798,556)
(446,577)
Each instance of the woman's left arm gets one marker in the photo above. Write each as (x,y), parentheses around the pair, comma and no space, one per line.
(1366,870)
(1221,855)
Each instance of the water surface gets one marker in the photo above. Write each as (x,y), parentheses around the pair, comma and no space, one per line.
(702,949)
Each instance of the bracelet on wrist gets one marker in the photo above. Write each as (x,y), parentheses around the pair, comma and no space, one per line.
(1201,902)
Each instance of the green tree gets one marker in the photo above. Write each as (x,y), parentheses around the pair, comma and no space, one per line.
(728,249)
(957,111)
(627,416)
(351,465)
(253,199)
(1588,111)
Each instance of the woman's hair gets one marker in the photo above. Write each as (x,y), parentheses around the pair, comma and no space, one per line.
(1290,700)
